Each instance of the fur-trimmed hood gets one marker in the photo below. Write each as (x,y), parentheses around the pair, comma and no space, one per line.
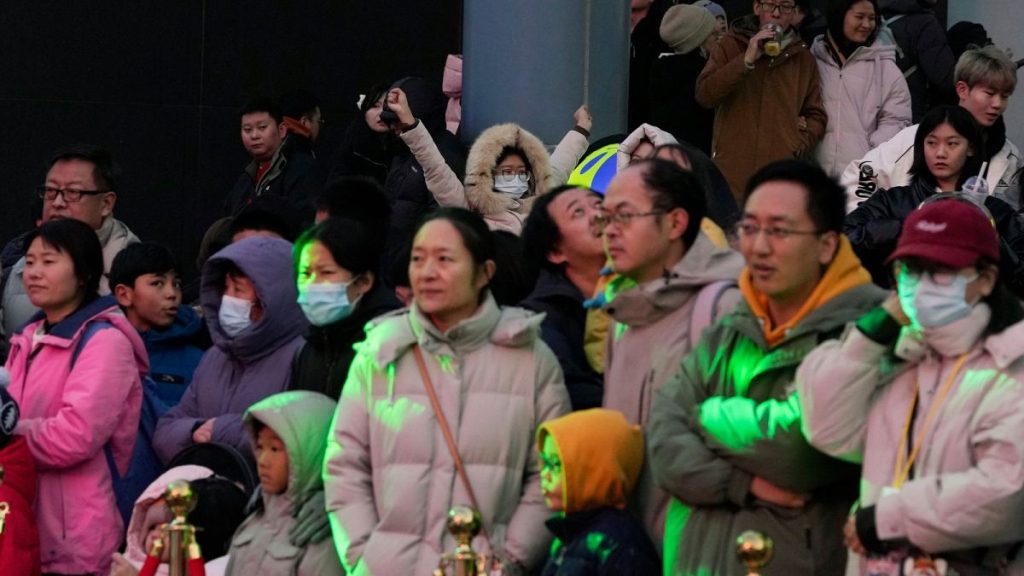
(483,157)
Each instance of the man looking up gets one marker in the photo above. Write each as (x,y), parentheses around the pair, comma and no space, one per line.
(652,219)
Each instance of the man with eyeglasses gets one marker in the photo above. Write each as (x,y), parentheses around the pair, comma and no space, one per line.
(81,183)
(725,432)
(672,280)
(763,83)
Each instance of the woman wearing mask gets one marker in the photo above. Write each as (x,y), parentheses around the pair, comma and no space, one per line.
(507,166)
(390,476)
(865,94)
(948,149)
(76,372)
(256,328)
(927,394)
(339,292)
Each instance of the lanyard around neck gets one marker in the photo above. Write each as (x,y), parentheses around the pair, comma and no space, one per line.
(905,462)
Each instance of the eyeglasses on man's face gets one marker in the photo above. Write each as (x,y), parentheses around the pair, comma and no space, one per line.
(623,219)
(750,230)
(49,193)
(783,8)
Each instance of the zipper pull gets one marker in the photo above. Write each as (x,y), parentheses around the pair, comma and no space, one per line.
(4,511)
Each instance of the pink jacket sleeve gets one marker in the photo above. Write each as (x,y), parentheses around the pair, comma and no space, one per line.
(95,401)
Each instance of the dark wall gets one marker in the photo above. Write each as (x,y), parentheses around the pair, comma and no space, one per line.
(159,84)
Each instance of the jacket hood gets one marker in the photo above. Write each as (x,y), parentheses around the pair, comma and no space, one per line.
(703,264)
(601,457)
(483,157)
(185,327)
(878,51)
(390,336)
(102,309)
(303,420)
(268,263)
(136,537)
(19,468)
(1007,346)
(843,275)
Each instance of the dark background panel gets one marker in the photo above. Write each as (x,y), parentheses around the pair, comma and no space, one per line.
(160,83)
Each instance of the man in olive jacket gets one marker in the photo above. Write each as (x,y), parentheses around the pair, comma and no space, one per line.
(724,432)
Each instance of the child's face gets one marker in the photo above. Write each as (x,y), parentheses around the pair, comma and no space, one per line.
(984,102)
(153,301)
(551,484)
(271,461)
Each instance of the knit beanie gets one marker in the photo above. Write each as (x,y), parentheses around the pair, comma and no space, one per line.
(713,7)
(685,27)
(8,416)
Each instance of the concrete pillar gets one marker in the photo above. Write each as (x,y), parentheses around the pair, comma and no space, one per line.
(534,62)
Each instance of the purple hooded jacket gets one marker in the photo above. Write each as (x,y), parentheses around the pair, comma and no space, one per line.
(238,372)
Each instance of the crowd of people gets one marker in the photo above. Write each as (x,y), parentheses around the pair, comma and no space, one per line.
(790,311)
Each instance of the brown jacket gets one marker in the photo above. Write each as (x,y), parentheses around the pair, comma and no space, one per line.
(757,111)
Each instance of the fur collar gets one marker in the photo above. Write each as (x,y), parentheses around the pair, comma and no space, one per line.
(483,157)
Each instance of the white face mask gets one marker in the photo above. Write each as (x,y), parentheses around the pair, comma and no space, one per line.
(325,302)
(929,304)
(234,315)
(510,185)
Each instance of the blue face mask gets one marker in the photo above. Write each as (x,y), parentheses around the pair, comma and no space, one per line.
(325,302)
(930,304)
(234,315)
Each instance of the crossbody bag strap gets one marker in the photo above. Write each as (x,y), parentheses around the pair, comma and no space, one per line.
(448,438)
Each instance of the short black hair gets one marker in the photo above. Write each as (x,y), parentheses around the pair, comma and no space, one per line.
(105,171)
(540,232)
(826,199)
(357,197)
(139,259)
(354,246)
(672,187)
(79,241)
(514,276)
(964,124)
(298,103)
(262,104)
(261,218)
(219,510)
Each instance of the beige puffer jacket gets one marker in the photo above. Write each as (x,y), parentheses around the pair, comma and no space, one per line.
(389,476)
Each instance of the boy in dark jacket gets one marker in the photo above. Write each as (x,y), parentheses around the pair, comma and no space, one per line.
(590,461)
(144,278)
(19,539)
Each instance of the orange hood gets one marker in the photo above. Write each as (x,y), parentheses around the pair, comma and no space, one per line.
(601,457)
(844,273)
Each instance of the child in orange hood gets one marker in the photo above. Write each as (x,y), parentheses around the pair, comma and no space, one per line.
(590,461)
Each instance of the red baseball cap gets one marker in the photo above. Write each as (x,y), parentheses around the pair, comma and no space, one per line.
(950,232)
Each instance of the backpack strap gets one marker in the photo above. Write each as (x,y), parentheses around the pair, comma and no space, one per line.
(705,310)
(90,330)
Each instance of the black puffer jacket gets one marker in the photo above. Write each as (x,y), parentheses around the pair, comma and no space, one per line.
(322,364)
(921,45)
(291,184)
(875,225)
(405,187)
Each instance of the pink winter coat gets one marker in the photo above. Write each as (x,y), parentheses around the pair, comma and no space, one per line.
(68,417)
